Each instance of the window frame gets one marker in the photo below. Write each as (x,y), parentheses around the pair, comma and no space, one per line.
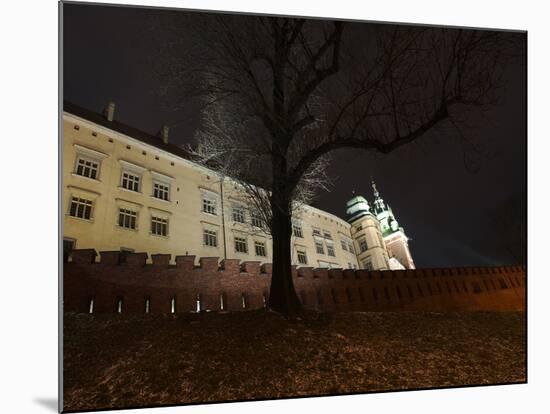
(92,160)
(240,241)
(160,222)
(238,214)
(302,253)
(319,247)
(261,246)
(135,175)
(167,190)
(208,234)
(89,203)
(129,213)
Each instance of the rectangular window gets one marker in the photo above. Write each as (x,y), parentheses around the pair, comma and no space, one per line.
(127,218)
(238,214)
(210,238)
(87,167)
(81,208)
(256,219)
(260,249)
(350,248)
(161,191)
(208,205)
(319,247)
(344,246)
(367,264)
(302,258)
(130,181)
(327,235)
(159,226)
(316,232)
(297,230)
(330,250)
(241,245)
(363,245)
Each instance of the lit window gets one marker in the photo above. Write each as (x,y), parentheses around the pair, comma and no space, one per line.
(161,191)
(302,258)
(173,305)
(260,249)
(127,218)
(130,181)
(363,245)
(119,304)
(91,306)
(297,230)
(210,238)
(319,247)
(344,246)
(256,219)
(147,305)
(81,208)
(208,205)
(159,226)
(238,214)
(240,245)
(243,301)
(87,167)
(330,249)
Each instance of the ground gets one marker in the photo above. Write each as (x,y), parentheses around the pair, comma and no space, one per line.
(115,361)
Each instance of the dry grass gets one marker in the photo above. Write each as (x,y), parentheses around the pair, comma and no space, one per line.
(116,361)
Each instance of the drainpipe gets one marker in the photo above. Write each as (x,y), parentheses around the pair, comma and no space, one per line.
(223,220)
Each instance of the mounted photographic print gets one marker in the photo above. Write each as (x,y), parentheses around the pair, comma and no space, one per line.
(257,207)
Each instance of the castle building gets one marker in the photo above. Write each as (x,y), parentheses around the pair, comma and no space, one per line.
(126,190)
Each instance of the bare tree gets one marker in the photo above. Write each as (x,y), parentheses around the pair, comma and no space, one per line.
(280,94)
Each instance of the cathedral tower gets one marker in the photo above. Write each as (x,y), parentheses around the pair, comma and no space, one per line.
(396,241)
(367,235)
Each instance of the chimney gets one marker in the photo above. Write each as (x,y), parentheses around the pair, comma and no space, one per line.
(164,133)
(110,111)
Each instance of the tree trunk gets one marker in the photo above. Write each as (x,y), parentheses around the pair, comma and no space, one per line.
(282,296)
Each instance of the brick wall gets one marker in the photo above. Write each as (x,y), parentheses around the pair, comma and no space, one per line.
(239,286)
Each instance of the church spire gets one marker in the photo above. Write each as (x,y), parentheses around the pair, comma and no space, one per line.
(378,201)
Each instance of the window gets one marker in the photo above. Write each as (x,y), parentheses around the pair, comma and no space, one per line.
(130,181)
(127,218)
(344,246)
(240,245)
(350,248)
(367,264)
(161,191)
(86,167)
(363,245)
(238,214)
(208,205)
(358,228)
(256,219)
(316,232)
(119,304)
(297,230)
(147,305)
(260,249)
(330,249)
(173,304)
(327,235)
(81,208)
(210,238)
(243,301)
(159,226)
(302,258)
(319,247)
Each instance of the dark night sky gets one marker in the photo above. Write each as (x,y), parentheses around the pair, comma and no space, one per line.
(448,210)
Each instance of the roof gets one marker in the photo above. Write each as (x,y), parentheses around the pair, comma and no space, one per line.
(117,126)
